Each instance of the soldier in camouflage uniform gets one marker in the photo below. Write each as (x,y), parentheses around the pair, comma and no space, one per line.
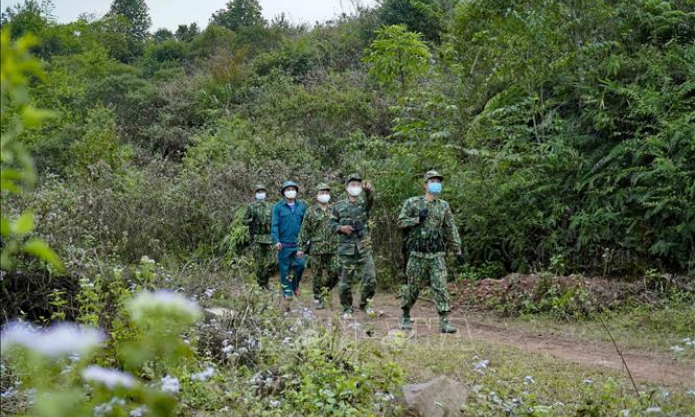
(320,242)
(257,218)
(349,218)
(431,229)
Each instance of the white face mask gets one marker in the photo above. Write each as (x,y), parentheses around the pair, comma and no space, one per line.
(354,191)
(260,196)
(324,198)
(291,194)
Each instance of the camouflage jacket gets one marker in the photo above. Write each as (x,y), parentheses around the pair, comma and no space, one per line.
(355,214)
(438,230)
(316,235)
(257,218)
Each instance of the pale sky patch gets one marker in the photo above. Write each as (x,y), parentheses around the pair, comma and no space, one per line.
(171,13)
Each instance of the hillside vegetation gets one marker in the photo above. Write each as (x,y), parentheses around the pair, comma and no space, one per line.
(565,131)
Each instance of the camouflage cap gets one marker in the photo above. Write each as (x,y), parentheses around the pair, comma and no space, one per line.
(433,174)
(259,186)
(353,177)
(323,187)
(288,184)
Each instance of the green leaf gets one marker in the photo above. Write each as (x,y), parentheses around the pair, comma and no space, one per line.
(33,117)
(4,227)
(24,224)
(40,249)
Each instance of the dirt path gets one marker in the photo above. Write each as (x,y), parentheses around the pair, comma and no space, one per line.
(644,366)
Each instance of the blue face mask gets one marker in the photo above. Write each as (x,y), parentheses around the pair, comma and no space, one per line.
(434,187)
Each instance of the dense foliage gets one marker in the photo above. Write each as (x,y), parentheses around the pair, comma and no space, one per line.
(565,129)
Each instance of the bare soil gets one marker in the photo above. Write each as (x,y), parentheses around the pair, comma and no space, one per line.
(644,366)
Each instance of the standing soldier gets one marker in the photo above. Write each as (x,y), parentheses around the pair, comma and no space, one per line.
(431,228)
(288,214)
(257,218)
(320,242)
(350,218)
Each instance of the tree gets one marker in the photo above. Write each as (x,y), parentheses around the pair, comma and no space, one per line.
(30,17)
(163,34)
(186,33)
(136,13)
(18,172)
(397,56)
(424,16)
(238,14)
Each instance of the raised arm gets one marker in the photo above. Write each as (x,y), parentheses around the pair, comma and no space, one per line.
(368,199)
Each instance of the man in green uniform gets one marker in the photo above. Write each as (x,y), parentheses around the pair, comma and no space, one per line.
(431,228)
(257,218)
(319,241)
(349,218)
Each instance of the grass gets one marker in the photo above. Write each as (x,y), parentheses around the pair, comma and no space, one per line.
(520,384)
(638,327)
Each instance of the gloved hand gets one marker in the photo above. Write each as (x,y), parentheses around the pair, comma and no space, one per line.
(460,259)
(423,214)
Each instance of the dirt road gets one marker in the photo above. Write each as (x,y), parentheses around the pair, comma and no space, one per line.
(645,366)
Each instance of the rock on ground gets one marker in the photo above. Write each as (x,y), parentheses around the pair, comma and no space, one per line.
(440,397)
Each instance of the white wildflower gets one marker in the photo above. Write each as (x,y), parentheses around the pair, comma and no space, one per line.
(138,412)
(163,303)
(204,375)
(624,413)
(275,403)
(170,385)
(105,409)
(227,349)
(111,378)
(9,393)
(209,292)
(494,397)
(146,260)
(60,340)
(101,410)
(677,349)
(588,381)
(481,365)
(529,379)
(653,410)
(384,396)
(256,378)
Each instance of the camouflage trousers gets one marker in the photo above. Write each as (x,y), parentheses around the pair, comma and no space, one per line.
(324,272)
(356,267)
(426,271)
(264,262)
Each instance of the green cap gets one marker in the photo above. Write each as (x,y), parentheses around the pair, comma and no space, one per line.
(433,174)
(260,186)
(353,177)
(323,187)
(288,184)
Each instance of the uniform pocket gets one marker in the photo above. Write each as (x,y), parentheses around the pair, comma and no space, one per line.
(346,250)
